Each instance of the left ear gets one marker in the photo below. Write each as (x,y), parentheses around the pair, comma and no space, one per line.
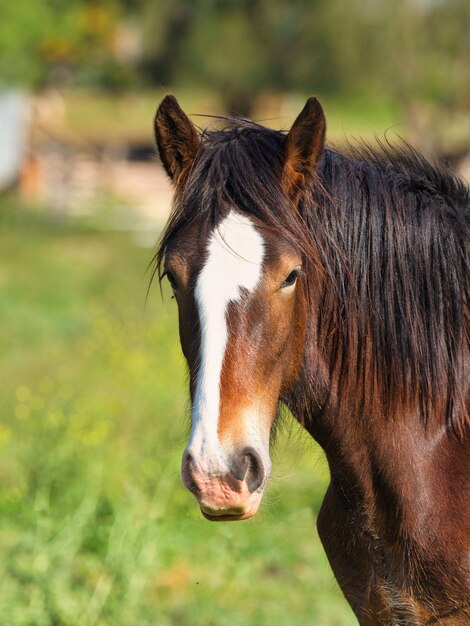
(177,139)
(303,147)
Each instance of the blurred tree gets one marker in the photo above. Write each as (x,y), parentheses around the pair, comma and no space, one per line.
(165,26)
(224,50)
(43,42)
(239,49)
(23,27)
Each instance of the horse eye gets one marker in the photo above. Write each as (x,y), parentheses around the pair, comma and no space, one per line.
(290,280)
(171,280)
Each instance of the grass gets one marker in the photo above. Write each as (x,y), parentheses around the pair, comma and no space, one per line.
(112,117)
(95,525)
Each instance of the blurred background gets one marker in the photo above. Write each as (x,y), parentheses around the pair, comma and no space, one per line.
(95,525)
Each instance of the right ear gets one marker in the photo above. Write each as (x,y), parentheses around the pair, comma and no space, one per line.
(177,139)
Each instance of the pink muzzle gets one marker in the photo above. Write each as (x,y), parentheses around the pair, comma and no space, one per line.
(222,497)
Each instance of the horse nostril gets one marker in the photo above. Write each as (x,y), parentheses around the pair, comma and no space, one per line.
(254,469)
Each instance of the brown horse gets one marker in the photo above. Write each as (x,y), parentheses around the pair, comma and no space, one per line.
(338,285)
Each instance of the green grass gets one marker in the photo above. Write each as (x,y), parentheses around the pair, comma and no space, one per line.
(96,527)
(98,115)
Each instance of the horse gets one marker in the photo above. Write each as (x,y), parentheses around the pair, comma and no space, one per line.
(336,284)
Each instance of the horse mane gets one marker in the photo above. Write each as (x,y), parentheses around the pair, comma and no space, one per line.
(389,232)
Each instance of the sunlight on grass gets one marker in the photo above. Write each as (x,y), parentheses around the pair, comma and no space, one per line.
(94,115)
(96,527)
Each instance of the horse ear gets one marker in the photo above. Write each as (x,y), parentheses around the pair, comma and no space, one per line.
(303,147)
(177,138)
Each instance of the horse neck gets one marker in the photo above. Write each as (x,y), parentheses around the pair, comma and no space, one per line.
(396,471)
(388,459)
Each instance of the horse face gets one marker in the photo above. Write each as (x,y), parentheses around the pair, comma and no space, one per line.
(241,321)
(241,303)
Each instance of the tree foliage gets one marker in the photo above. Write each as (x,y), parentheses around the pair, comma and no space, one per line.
(41,41)
(241,48)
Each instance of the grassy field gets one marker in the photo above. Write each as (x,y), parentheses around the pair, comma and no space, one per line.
(110,117)
(96,527)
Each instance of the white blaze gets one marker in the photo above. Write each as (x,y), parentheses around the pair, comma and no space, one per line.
(235,254)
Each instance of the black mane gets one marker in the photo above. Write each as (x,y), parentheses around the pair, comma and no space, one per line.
(390,232)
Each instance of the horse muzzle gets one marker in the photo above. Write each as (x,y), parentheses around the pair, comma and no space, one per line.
(227,491)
